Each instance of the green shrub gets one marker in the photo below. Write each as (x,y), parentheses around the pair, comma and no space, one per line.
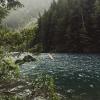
(44,85)
(8,68)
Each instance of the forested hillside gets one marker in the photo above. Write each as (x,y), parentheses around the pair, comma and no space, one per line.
(71,26)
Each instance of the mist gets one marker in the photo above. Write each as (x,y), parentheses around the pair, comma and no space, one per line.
(29,13)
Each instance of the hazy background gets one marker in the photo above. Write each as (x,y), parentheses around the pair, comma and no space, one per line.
(23,16)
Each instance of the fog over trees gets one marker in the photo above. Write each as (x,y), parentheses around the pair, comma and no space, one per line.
(22,16)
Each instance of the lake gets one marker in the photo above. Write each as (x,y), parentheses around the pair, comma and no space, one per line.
(77,73)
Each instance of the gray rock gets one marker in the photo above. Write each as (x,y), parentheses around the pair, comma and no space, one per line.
(39,98)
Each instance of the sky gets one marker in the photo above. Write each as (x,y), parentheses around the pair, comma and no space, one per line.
(29,12)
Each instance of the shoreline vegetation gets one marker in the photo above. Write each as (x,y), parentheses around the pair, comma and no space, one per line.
(41,87)
(13,86)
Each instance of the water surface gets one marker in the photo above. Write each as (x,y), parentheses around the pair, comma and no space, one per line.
(79,73)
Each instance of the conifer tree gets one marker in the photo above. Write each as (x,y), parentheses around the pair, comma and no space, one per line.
(71,26)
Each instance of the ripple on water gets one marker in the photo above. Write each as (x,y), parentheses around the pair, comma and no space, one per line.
(68,69)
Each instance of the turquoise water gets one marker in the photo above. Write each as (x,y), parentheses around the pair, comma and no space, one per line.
(78,73)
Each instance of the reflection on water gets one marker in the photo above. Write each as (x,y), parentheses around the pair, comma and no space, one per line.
(76,73)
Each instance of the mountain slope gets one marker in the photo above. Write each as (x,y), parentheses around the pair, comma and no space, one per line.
(21,16)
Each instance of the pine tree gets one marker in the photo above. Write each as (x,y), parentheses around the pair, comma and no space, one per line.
(71,26)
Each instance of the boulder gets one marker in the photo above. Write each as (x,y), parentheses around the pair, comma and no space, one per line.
(28,58)
(19,62)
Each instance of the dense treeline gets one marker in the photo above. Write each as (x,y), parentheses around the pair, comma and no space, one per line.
(71,26)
